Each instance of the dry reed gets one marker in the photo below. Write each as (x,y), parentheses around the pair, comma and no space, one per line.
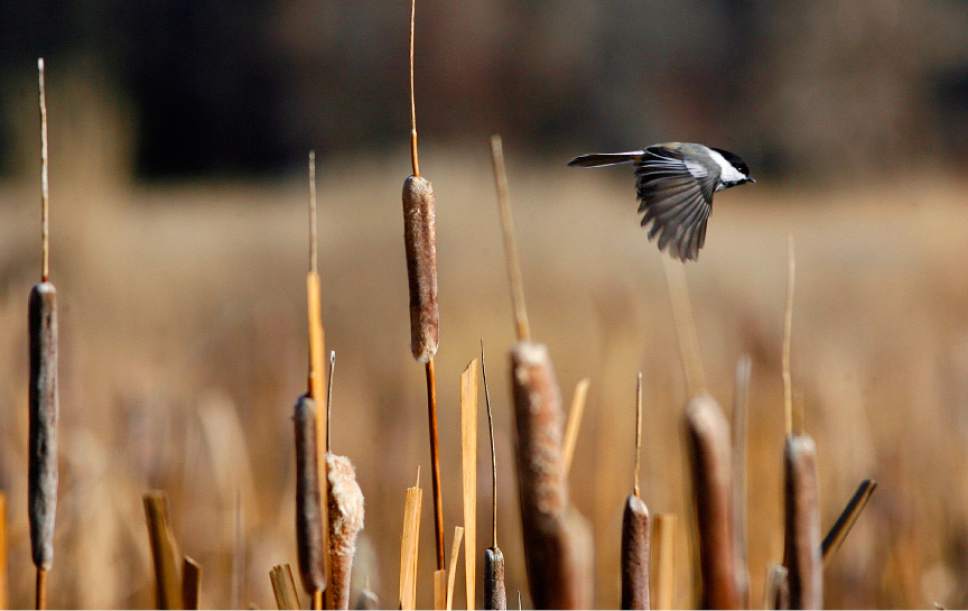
(709,452)
(573,425)
(664,561)
(776,591)
(165,555)
(4,593)
(452,569)
(787,337)
(43,391)
(495,594)
(309,535)
(802,519)
(191,583)
(345,523)
(468,427)
(410,546)
(284,587)
(635,528)
(740,427)
(845,521)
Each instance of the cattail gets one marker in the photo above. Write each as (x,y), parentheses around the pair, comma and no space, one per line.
(421,247)
(191,583)
(556,542)
(164,552)
(709,451)
(802,501)
(635,529)
(345,523)
(309,535)
(739,431)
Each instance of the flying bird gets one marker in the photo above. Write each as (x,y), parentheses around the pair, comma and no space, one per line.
(675,183)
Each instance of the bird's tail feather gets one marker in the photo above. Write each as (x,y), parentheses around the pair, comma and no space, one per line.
(595,160)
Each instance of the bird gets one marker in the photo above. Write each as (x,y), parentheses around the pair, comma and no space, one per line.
(675,183)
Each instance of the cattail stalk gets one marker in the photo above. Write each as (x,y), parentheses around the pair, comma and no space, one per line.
(410,545)
(709,452)
(309,535)
(845,521)
(573,426)
(284,587)
(635,528)
(787,338)
(43,394)
(164,552)
(468,426)
(739,430)
(452,569)
(776,592)
(495,594)
(191,583)
(345,523)
(521,325)
(802,513)
(664,561)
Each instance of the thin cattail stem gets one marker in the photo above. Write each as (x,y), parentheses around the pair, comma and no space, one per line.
(191,583)
(414,153)
(709,452)
(573,425)
(309,531)
(802,517)
(776,592)
(4,593)
(490,430)
(40,589)
(522,327)
(787,337)
(313,223)
(345,523)
(686,334)
(635,528)
(739,429)
(495,594)
(44,192)
(284,587)
(452,569)
(664,561)
(468,428)
(845,521)
(329,398)
(638,433)
(410,545)
(431,376)
(557,544)
(164,552)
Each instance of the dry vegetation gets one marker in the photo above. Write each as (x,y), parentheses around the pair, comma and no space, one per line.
(182,329)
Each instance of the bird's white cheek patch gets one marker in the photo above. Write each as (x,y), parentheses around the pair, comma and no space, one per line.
(728,174)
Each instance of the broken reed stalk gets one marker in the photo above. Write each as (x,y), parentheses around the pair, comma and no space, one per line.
(165,555)
(191,583)
(345,522)
(573,426)
(495,595)
(635,528)
(4,595)
(522,327)
(740,427)
(317,370)
(709,453)
(43,394)
(309,531)
(787,337)
(420,241)
(452,569)
(410,545)
(664,561)
(685,324)
(802,515)
(845,521)
(440,589)
(556,542)
(468,428)
(776,592)
(284,587)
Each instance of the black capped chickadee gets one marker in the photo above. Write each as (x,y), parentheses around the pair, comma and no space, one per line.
(675,182)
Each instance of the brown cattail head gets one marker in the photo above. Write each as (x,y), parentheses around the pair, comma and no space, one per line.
(557,546)
(709,451)
(635,554)
(495,595)
(345,523)
(309,525)
(420,239)
(42,467)
(802,497)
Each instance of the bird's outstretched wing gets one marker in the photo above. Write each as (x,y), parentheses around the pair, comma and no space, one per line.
(676,195)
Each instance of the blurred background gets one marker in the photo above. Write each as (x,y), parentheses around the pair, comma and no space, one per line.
(179,133)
